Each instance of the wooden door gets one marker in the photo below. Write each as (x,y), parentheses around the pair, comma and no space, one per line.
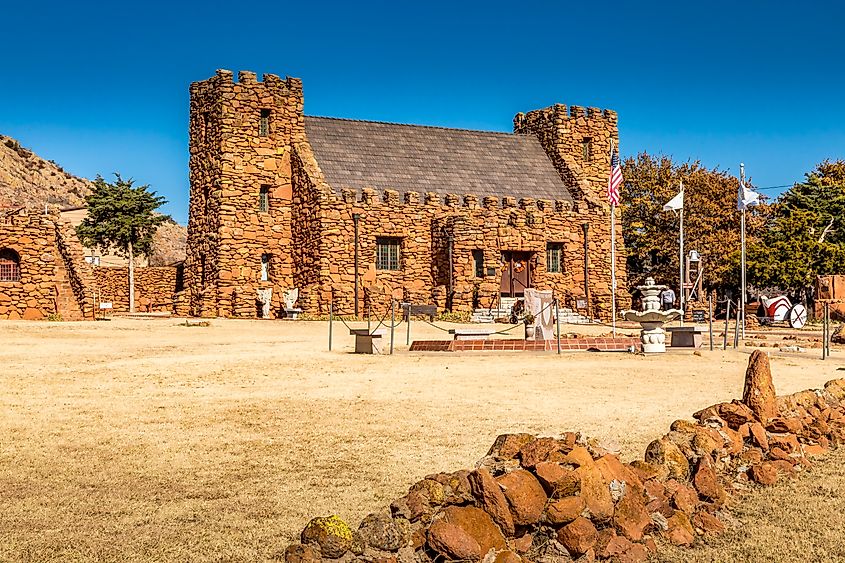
(516,273)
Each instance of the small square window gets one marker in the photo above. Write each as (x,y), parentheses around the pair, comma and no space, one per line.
(265,267)
(478,262)
(554,257)
(387,253)
(264,198)
(587,149)
(264,123)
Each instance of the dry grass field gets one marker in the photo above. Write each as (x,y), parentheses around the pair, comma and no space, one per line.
(138,440)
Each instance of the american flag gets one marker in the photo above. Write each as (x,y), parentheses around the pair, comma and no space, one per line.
(615,179)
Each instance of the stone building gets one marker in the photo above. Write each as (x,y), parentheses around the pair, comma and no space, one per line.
(356,212)
(42,271)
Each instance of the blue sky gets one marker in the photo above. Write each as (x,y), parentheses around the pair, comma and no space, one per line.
(105,88)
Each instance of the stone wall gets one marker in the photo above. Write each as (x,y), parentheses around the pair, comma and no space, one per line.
(565,498)
(52,277)
(155,287)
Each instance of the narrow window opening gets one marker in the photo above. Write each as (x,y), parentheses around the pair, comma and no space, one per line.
(388,253)
(587,149)
(264,123)
(264,198)
(478,262)
(180,277)
(265,267)
(554,257)
(10,265)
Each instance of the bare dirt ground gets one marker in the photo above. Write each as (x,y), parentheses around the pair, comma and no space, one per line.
(141,440)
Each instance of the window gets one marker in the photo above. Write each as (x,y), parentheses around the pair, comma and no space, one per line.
(554,257)
(264,123)
(10,265)
(478,262)
(587,149)
(264,198)
(387,253)
(265,267)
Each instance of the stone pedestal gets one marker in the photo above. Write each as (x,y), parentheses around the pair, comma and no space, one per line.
(653,337)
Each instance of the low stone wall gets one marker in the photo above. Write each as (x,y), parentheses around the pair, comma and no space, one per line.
(154,288)
(552,499)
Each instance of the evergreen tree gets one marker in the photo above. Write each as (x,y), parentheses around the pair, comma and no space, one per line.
(122,218)
(805,237)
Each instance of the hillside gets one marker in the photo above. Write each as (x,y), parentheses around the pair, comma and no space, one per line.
(28,180)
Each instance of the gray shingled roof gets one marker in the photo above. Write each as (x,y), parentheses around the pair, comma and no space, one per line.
(357,154)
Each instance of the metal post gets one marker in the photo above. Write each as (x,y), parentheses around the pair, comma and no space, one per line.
(368,316)
(331,319)
(710,318)
(736,330)
(681,260)
(355,218)
(742,227)
(408,327)
(392,322)
(557,322)
(612,262)
(727,320)
(825,331)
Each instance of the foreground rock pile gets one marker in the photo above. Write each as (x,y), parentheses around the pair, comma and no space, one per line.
(559,499)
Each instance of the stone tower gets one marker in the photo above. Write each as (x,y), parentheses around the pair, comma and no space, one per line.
(239,225)
(577,141)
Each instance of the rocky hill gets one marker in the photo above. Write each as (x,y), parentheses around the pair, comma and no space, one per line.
(28,180)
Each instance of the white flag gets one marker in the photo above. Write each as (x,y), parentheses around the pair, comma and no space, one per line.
(747,197)
(676,202)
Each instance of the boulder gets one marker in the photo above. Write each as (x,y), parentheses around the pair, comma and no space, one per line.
(785,425)
(331,533)
(507,446)
(679,530)
(477,524)
(491,498)
(707,524)
(595,492)
(453,542)
(759,391)
(707,483)
(380,531)
(565,510)
(612,469)
(525,495)
(579,536)
(764,473)
(298,553)
(758,435)
(665,452)
(537,450)
(549,473)
(631,517)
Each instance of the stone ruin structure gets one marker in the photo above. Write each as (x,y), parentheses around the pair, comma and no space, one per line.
(550,500)
(449,217)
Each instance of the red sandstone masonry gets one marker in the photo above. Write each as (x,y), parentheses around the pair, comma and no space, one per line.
(154,288)
(308,230)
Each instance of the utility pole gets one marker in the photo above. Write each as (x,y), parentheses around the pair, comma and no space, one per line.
(681,257)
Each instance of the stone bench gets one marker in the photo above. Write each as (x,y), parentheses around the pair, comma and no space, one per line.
(686,336)
(367,342)
(471,333)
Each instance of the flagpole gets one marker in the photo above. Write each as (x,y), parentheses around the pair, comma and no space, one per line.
(612,252)
(681,261)
(742,227)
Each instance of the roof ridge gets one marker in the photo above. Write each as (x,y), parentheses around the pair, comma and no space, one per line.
(415,125)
